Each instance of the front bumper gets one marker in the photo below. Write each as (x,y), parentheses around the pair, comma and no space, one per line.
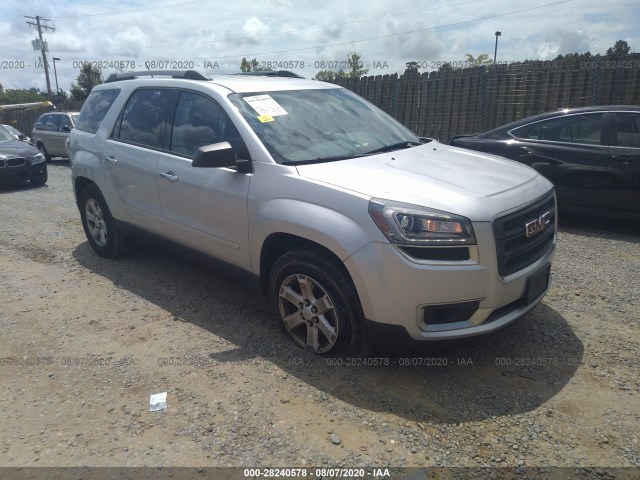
(444,300)
(19,169)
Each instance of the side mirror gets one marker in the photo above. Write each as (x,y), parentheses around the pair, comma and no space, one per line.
(66,128)
(215,156)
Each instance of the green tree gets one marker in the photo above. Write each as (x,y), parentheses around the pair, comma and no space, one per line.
(252,66)
(356,70)
(576,57)
(620,48)
(88,78)
(22,95)
(481,60)
(445,67)
(330,76)
(355,65)
(413,68)
(59,97)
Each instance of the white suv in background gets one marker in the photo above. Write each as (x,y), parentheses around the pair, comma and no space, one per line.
(357,230)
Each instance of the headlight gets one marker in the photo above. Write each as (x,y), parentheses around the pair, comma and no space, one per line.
(4,157)
(38,157)
(412,225)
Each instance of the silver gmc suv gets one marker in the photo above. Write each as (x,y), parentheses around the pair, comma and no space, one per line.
(358,231)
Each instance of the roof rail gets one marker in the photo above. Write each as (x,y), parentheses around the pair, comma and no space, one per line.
(271,73)
(188,74)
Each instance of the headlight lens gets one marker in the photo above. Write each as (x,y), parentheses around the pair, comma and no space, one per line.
(412,225)
(38,157)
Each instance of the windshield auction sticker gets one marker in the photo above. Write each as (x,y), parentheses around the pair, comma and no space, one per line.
(264,105)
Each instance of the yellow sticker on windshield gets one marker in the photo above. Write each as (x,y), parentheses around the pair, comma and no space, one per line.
(265,118)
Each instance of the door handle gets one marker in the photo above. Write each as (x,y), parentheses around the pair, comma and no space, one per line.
(111,159)
(169,176)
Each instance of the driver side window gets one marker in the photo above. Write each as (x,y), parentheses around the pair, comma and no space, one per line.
(200,121)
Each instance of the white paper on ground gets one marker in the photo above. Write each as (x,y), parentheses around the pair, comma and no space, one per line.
(158,401)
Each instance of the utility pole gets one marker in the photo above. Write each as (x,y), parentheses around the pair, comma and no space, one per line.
(35,22)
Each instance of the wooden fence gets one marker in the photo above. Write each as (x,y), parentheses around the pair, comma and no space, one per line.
(473,100)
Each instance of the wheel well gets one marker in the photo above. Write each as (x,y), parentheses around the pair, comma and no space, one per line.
(276,245)
(81,182)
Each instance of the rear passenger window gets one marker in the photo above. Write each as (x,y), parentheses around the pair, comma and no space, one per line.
(50,123)
(200,121)
(94,109)
(586,129)
(145,118)
(628,130)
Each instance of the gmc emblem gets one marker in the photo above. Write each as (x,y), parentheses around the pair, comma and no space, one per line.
(536,226)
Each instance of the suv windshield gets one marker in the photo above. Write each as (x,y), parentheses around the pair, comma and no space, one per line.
(307,126)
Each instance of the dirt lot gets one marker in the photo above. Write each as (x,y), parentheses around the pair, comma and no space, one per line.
(85,341)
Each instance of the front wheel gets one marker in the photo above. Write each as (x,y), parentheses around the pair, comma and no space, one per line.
(41,180)
(317,303)
(43,151)
(100,227)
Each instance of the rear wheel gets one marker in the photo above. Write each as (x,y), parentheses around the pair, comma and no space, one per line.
(100,227)
(317,303)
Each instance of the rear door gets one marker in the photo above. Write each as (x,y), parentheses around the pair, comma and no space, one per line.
(572,152)
(204,208)
(130,156)
(624,162)
(46,131)
(59,139)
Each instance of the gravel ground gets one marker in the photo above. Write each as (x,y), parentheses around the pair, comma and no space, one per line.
(85,341)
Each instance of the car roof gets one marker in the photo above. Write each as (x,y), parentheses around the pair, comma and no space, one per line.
(560,112)
(257,83)
(236,83)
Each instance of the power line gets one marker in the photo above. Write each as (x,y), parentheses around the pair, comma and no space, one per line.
(396,34)
(352,41)
(168,5)
(287,32)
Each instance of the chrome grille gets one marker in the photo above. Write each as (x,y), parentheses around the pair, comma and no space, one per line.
(514,248)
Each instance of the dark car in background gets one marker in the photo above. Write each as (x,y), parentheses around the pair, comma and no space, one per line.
(17,134)
(51,131)
(591,154)
(20,161)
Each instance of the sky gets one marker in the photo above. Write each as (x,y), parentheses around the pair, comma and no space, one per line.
(299,35)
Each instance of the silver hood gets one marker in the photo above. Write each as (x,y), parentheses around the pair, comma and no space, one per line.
(437,176)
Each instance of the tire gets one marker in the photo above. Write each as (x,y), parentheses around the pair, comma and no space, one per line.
(43,151)
(41,180)
(317,304)
(100,227)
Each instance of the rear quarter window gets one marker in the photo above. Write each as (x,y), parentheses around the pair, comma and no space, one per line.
(95,108)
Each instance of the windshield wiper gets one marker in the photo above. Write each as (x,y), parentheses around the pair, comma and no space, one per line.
(321,159)
(392,147)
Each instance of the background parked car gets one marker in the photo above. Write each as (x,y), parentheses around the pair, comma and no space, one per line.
(17,134)
(20,162)
(591,154)
(50,133)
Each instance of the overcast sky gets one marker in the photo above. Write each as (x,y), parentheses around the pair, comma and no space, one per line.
(212,36)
